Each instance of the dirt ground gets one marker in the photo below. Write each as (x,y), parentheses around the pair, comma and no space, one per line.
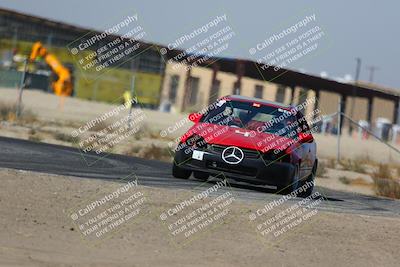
(37,230)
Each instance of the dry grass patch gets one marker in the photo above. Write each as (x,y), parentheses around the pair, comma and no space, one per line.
(8,112)
(321,169)
(353,165)
(35,138)
(65,138)
(384,183)
(331,163)
(359,181)
(382,172)
(344,180)
(151,152)
(99,126)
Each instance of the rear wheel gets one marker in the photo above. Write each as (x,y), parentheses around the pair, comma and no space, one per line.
(203,176)
(179,172)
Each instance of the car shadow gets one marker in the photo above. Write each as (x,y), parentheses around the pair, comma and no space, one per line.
(259,188)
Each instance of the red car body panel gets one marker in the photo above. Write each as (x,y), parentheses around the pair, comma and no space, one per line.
(232,136)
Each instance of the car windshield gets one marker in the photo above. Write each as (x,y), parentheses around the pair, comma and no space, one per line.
(250,116)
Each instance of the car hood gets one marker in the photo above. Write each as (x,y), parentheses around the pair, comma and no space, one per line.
(231,136)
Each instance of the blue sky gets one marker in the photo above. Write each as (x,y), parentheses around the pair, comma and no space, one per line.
(362,29)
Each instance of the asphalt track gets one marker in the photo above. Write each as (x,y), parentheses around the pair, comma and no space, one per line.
(61,160)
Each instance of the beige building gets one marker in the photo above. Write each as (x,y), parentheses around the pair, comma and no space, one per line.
(192,90)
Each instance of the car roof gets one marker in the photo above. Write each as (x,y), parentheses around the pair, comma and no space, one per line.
(258,100)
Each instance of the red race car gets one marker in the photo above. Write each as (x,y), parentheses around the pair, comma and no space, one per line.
(249,140)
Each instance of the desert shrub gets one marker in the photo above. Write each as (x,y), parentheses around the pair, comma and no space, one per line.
(65,137)
(100,126)
(8,112)
(321,169)
(147,132)
(382,172)
(353,165)
(151,152)
(344,180)
(331,163)
(387,187)
(35,138)
(384,183)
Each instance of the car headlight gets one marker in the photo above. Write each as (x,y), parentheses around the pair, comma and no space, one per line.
(277,155)
(196,141)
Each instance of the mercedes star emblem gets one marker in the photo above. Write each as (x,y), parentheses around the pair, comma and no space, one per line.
(232,155)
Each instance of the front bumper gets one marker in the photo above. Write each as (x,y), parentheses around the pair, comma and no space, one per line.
(253,169)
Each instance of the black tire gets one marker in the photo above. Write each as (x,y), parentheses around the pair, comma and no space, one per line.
(180,173)
(310,181)
(293,185)
(203,176)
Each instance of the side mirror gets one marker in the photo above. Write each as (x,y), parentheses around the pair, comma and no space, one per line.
(305,138)
(195,117)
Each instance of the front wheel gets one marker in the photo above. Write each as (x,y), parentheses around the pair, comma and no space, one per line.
(308,183)
(179,172)
(294,183)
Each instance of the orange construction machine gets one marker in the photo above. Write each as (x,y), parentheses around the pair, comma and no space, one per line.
(63,85)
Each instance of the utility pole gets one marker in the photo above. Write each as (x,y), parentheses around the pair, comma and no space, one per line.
(372,70)
(339,122)
(21,88)
(134,68)
(353,98)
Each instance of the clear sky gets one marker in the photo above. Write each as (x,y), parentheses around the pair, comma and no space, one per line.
(367,29)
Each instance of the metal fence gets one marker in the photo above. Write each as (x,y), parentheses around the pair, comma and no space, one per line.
(12,78)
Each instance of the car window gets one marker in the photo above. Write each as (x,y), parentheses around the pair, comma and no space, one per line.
(263,117)
(245,115)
